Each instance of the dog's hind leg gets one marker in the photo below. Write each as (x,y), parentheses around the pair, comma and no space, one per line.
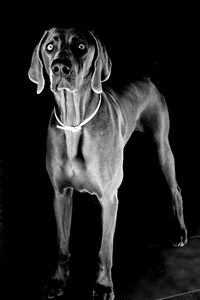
(104,285)
(158,126)
(167,164)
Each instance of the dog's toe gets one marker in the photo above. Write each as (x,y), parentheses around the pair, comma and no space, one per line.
(180,238)
(178,245)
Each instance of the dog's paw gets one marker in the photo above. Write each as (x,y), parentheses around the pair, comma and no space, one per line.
(101,292)
(180,238)
(55,284)
(54,288)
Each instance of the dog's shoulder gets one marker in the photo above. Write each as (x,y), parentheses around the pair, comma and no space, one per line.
(132,96)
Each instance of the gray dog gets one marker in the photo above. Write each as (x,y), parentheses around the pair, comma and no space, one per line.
(88,130)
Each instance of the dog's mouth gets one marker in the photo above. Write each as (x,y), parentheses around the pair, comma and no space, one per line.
(63,82)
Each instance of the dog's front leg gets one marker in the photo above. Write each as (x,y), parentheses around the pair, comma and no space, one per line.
(63,212)
(104,286)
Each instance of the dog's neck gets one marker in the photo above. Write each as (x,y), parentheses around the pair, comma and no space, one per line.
(74,107)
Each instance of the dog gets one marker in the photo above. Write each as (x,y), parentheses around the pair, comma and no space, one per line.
(88,130)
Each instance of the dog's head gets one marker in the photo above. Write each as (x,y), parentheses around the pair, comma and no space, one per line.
(73,59)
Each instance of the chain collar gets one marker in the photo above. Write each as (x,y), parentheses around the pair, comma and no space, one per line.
(77,127)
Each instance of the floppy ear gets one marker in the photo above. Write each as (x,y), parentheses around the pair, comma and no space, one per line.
(35,73)
(102,67)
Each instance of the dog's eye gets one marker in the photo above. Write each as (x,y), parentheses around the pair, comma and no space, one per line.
(50,47)
(81,47)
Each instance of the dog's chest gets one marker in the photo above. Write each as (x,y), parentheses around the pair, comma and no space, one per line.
(76,171)
(83,161)
(73,142)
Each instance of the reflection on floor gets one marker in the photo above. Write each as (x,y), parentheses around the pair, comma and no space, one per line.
(194,295)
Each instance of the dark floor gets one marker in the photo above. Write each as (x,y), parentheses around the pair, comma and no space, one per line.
(167,273)
(194,295)
(149,273)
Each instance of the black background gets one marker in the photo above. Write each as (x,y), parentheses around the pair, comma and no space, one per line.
(160,42)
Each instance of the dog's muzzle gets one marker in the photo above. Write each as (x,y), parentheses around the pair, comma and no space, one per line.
(63,75)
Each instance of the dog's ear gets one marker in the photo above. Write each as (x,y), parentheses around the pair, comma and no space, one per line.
(35,73)
(102,66)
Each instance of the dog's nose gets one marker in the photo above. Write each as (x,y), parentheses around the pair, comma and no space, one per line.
(61,68)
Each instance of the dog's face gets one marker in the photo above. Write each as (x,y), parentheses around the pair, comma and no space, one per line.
(68,56)
(73,59)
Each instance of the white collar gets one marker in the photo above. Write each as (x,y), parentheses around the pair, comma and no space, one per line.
(78,127)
